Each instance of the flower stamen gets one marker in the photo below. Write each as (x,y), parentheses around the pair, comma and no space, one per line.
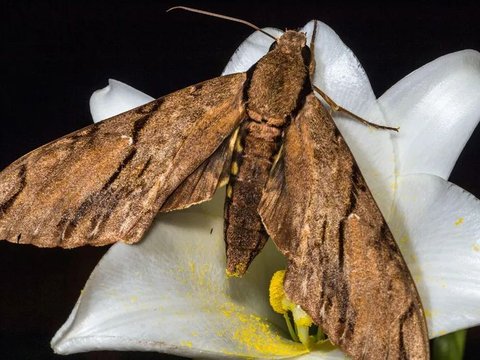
(302,322)
(290,327)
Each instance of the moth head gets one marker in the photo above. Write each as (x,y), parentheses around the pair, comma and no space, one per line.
(291,42)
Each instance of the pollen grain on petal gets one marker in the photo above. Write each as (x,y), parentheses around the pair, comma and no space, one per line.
(256,335)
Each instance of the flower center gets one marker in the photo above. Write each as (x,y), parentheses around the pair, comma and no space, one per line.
(302,330)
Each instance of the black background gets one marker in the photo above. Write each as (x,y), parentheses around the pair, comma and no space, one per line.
(55,53)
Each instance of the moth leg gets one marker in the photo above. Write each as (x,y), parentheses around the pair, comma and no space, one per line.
(338,108)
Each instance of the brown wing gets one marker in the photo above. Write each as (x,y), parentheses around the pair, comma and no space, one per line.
(200,185)
(344,267)
(105,183)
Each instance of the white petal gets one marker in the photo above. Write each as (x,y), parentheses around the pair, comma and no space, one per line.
(332,354)
(170,294)
(340,75)
(438,230)
(437,107)
(250,51)
(114,99)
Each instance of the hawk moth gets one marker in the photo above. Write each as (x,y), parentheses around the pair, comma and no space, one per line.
(293,183)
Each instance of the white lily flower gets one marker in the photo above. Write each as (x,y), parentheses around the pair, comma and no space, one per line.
(169,293)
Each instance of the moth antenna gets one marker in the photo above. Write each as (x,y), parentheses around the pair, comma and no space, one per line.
(222,17)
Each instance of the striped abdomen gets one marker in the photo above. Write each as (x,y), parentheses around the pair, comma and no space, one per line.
(256,147)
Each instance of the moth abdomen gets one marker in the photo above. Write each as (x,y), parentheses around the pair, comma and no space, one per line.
(276,83)
(252,160)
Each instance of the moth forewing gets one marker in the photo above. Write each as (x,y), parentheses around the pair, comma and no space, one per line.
(344,267)
(105,183)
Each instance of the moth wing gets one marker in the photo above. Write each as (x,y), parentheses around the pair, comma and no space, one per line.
(200,185)
(106,182)
(344,267)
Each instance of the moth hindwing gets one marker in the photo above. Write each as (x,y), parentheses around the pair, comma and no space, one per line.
(106,182)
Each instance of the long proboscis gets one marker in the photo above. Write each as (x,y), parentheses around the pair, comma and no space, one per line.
(241,21)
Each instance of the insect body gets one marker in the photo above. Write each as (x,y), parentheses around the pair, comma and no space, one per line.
(273,95)
(290,177)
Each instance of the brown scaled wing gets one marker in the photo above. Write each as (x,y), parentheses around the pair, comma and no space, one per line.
(344,267)
(106,182)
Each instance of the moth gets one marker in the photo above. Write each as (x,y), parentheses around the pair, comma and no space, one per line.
(289,176)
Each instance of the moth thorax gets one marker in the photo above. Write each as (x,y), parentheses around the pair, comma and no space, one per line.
(291,41)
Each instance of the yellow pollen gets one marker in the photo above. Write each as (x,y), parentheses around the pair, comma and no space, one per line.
(229,191)
(277,293)
(301,318)
(255,335)
(240,269)
(459,221)
(186,343)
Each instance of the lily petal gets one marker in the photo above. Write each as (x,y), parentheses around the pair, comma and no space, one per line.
(339,73)
(438,231)
(171,294)
(437,107)
(114,99)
